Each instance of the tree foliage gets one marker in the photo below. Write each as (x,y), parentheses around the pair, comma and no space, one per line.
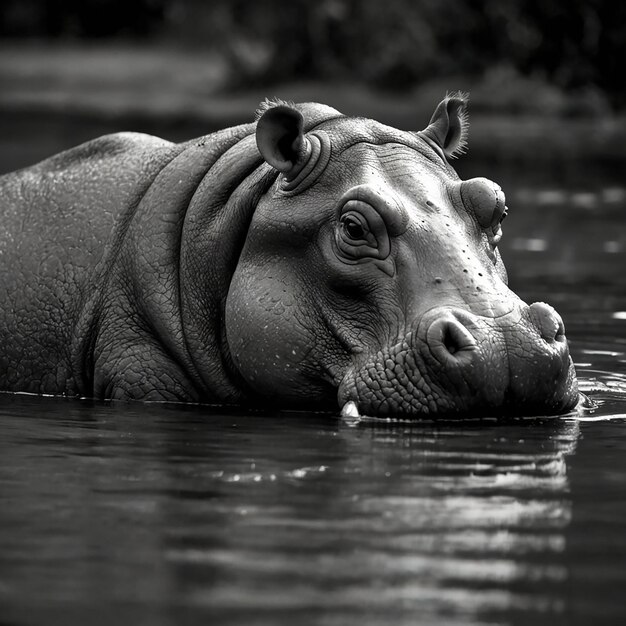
(394,44)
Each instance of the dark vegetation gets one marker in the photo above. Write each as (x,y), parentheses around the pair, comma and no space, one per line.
(520,48)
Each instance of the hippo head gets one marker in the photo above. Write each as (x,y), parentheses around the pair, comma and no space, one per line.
(371,277)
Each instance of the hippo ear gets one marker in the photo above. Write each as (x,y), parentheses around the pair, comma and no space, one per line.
(449,125)
(280,139)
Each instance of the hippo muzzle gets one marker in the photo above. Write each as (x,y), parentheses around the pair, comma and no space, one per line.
(456,363)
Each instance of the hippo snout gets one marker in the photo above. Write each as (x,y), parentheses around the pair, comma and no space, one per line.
(548,322)
(458,363)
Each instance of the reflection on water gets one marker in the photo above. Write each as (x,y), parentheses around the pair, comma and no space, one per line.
(152,513)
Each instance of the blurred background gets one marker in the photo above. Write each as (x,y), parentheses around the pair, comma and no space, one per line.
(576,46)
(196,59)
(545,77)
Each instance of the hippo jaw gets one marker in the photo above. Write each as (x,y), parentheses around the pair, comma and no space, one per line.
(457,364)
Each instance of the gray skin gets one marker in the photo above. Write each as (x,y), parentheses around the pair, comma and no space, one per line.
(305,260)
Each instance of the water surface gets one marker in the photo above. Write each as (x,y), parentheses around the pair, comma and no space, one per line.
(165,515)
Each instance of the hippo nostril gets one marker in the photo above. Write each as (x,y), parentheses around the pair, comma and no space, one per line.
(547,321)
(560,332)
(449,342)
(448,338)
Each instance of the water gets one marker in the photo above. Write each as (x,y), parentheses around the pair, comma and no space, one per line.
(164,515)
(169,515)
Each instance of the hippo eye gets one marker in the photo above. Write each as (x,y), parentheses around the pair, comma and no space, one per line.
(362,232)
(354,226)
(494,234)
(485,200)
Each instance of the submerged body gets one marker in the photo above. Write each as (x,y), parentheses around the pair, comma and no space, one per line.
(308,259)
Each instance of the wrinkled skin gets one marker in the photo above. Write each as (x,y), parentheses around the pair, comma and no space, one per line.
(308,260)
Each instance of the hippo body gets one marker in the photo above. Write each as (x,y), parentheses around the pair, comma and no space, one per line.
(305,260)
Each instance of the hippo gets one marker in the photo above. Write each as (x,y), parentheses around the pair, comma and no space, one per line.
(306,260)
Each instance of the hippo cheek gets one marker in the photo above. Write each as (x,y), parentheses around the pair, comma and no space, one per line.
(273,341)
(455,363)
